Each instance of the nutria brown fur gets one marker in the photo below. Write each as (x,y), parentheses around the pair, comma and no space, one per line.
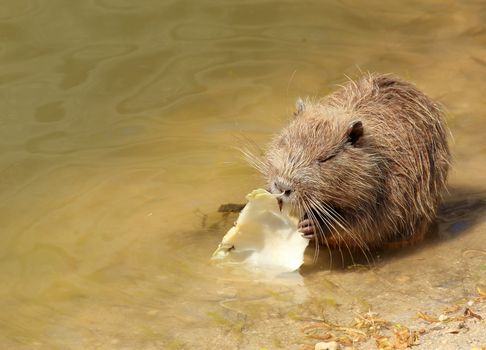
(364,166)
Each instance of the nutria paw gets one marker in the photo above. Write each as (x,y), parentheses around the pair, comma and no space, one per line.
(306,227)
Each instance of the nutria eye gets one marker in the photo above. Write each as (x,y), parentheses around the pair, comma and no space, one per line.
(322,160)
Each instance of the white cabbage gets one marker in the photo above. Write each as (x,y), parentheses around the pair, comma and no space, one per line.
(263,236)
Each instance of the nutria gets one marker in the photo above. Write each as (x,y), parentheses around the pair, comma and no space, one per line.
(364,166)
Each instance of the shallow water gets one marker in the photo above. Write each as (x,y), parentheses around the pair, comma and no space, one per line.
(118,132)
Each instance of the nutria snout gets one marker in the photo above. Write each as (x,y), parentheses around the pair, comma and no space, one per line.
(363,166)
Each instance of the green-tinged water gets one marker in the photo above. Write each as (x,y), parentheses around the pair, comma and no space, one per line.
(119,123)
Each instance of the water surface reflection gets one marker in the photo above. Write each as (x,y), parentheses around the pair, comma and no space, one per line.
(119,122)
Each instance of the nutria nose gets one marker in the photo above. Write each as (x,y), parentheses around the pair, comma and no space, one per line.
(282,188)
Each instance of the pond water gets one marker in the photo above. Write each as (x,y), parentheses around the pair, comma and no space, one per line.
(118,133)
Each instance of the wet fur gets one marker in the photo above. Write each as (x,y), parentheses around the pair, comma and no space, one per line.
(384,186)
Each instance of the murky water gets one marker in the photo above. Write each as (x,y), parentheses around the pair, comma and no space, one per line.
(119,122)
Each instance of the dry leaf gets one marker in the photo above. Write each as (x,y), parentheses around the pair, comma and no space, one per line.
(383,343)
(404,337)
(468,313)
(427,317)
(451,309)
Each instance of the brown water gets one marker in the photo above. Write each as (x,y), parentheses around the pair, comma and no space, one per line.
(117,132)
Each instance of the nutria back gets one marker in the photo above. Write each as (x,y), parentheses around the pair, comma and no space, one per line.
(365,165)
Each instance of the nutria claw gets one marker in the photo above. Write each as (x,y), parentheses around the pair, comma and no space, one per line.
(306,227)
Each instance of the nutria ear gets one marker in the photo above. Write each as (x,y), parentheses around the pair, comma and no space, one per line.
(299,107)
(355,131)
